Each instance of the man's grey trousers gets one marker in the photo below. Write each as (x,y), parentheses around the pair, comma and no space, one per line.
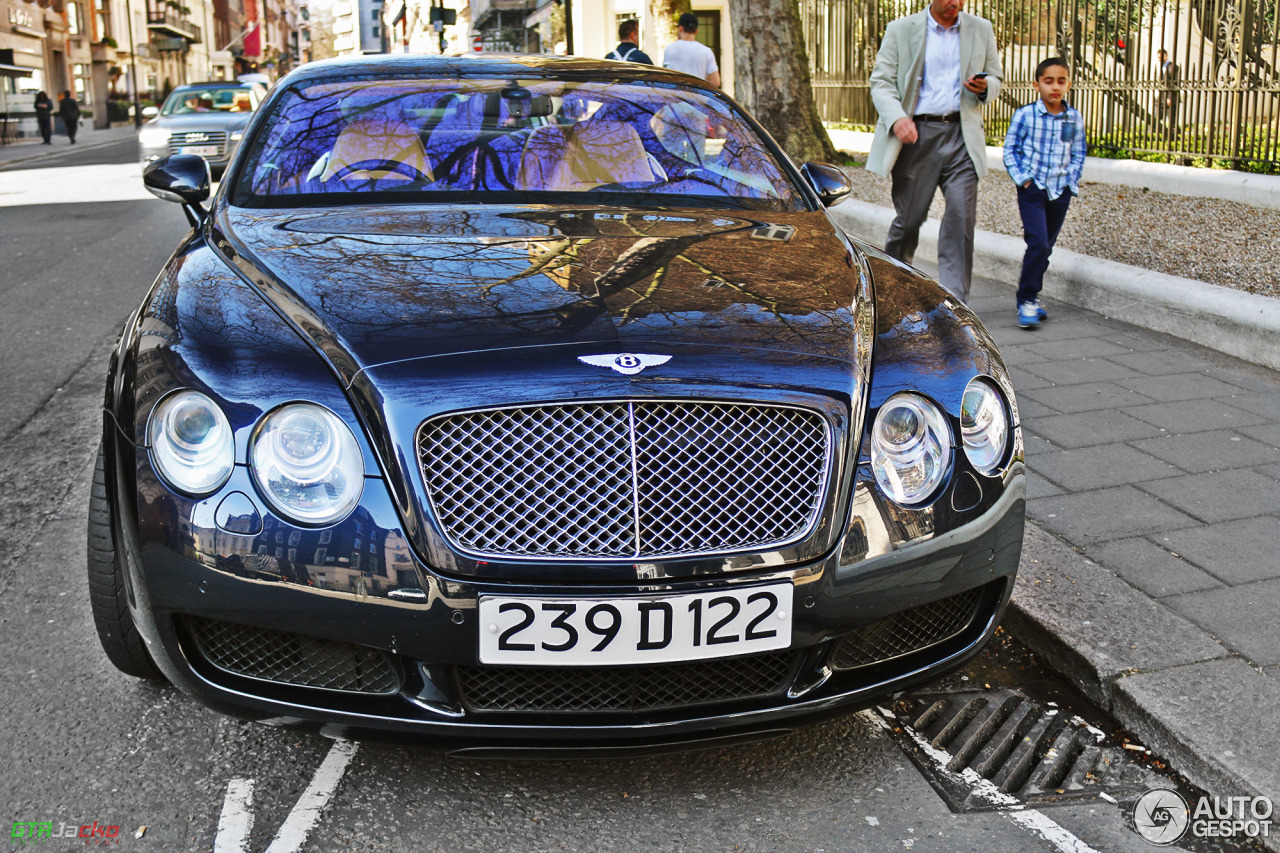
(937,159)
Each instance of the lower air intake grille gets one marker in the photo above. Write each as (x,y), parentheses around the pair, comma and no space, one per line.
(906,632)
(294,659)
(643,688)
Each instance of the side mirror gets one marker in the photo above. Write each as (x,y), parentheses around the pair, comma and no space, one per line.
(827,181)
(183,178)
(150,112)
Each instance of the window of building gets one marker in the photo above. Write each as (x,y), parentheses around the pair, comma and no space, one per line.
(75,19)
(355,560)
(357,542)
(321,553)
(373,16)
(295,536)
(100,18)
(326,536)
(293,555)
(375,32)
(83,91)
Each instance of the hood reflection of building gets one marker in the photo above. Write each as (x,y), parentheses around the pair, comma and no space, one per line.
(356,556)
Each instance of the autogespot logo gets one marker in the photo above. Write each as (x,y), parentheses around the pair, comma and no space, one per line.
(1163,817)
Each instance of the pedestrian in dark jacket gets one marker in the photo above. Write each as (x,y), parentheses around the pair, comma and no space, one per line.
(70,112)
(628,49)
(44,117)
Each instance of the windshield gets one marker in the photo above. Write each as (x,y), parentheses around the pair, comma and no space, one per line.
(529,140)
(209,99)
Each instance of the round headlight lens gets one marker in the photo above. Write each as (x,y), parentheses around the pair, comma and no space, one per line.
(910,448)
(307,464)
(191,443)
(984,427)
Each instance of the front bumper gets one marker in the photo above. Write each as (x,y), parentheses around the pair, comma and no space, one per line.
(425,625)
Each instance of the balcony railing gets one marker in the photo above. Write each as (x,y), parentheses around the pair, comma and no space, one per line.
(164,19)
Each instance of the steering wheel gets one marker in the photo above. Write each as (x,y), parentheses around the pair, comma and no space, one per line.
(398,167)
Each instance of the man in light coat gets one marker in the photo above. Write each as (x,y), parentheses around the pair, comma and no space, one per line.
(934,71)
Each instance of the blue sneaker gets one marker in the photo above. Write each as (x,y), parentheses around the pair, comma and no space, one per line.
(1040,312)
(1028,315)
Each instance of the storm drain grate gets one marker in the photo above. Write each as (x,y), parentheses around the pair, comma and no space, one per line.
(989,749)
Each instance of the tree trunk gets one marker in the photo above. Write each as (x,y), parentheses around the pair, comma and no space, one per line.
(664,14)
(771,76)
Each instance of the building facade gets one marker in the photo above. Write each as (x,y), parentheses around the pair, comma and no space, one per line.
(358,27)
(108,51)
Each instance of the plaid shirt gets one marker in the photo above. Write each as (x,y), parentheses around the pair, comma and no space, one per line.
(1046,148)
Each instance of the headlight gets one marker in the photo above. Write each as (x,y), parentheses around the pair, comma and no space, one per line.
(307,463)
(152,137)
(984,428)
(910,448)
(191,443)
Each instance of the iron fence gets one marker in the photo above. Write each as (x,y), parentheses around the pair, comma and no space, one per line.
(1214,95)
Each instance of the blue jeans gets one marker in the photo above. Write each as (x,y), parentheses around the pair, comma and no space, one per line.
(1041,221)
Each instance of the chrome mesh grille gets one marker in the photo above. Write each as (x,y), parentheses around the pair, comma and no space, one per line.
(641,688)
(198,137)
(625,480)
(906,632)
(294,659)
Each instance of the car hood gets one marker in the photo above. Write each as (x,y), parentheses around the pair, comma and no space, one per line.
(215,121)
(377,285)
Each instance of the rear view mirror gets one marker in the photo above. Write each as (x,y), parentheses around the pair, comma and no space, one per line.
(831,184)
(150,112)
(183,178)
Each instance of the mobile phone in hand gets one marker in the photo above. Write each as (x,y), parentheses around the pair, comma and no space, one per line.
(981,75)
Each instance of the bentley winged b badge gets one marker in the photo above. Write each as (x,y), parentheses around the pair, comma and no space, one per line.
(626,363)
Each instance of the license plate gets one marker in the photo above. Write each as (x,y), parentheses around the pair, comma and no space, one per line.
(566,631)
(202,150)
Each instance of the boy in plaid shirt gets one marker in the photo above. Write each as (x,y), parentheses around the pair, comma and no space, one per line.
(1044,155)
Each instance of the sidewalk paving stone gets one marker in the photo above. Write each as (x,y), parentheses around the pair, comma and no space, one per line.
(1220,496)
(1266,433)
(1025,381)
(1161,362)
(1080,370)
(1195,416)
(1180,386)
(1077,348)
(1039,487)
(1265,404)
(1106,514)
(1152,569)
(1242,616)
(1029,409)
(1089,397)
(1090,468)
(1091,428)
(1210,451)
(1234,552)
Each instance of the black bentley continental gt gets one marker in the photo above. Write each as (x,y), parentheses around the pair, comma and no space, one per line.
(538,404)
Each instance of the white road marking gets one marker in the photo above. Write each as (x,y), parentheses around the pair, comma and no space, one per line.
(73,185)
(237,818)
(306,812)
(1006,805)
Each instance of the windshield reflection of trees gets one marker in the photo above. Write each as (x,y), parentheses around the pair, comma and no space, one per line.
(495,135)
(556,274)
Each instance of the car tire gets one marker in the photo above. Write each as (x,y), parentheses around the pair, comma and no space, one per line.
(117,633)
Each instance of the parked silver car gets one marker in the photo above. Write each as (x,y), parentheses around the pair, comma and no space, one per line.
(206,119)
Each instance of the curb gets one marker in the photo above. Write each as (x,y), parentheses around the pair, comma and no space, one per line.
(1197,182)
(1240,324)
(1175,687)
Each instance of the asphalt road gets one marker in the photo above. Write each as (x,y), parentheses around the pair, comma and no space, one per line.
(87,744)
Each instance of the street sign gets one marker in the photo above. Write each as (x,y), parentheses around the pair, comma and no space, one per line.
(477,43)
